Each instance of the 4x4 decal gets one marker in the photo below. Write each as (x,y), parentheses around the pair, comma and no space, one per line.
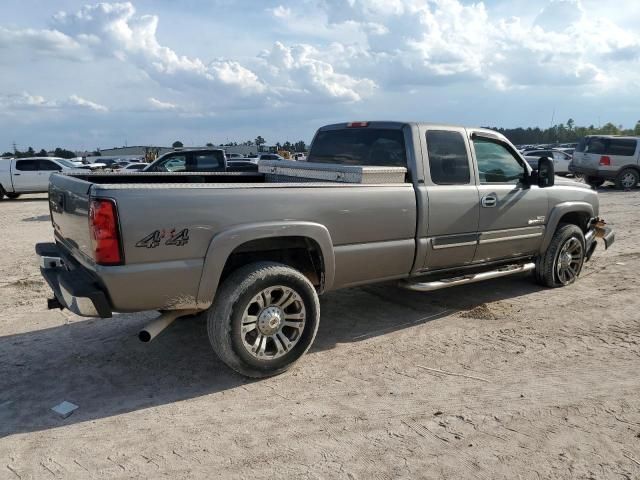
(179,239)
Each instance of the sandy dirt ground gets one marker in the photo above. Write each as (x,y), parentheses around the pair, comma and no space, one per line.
(551,385)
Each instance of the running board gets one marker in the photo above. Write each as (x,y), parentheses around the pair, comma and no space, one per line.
(462,280)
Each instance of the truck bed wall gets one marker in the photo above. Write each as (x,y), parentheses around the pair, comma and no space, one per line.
(372,229)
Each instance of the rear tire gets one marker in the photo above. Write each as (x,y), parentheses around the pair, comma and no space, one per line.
(627,179)
(264,318)
(2,193)
(12,196)
(562,262)
(594,182)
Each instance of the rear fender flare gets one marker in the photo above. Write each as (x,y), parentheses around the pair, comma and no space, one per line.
(557,213)
(225,242)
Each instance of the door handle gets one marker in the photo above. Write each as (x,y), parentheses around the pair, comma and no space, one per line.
(489,201)
(16,174)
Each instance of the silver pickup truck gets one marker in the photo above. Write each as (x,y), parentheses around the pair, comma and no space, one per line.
(430,206)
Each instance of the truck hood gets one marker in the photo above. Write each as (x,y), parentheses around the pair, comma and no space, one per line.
(567,182)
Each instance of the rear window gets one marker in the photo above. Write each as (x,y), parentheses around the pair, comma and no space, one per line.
(360,146)
(27,165)
(619,146)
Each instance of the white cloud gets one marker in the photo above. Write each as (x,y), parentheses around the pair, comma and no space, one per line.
(43,42)
(76,101)
(431,42)
(300,71)
(115,29)
(160,105)
(12,103)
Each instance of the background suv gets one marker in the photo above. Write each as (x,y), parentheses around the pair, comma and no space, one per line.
(606,157)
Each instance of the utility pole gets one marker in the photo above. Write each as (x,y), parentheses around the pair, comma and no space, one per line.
(15,148)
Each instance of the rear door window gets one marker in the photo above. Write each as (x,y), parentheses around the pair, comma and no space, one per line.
(208,161)
(597,145)
(27,165)
(448,159)
(379,147)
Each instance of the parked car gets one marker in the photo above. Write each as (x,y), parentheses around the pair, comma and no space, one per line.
(233,156)
(432,206)
(200,160)
(190,160)
(269,156)
(30,175)
(111,163)
(606,157)
(134,167)
(300,157)
(560,159)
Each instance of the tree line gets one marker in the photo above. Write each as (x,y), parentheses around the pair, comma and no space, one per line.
(299,146)
(30,152)
(563,133)
(567,132)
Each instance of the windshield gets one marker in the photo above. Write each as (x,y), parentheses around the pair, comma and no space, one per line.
(66,163)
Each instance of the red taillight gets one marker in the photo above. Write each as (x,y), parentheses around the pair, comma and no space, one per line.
(605,161)
(103,226)
(357,124)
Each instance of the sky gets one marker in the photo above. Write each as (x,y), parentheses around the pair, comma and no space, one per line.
(149,72)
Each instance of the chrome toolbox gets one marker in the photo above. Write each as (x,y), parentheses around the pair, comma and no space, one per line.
(290,170)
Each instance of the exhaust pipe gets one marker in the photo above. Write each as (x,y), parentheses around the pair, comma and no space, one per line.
(156,326)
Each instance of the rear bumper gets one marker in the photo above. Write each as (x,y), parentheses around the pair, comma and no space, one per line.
(73,286)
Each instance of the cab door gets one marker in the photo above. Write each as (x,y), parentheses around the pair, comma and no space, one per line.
(25,176)
(512,213)
(453,202)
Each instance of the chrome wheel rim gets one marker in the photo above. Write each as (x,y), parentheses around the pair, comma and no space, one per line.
(628,180)
(569,261)
(273,322)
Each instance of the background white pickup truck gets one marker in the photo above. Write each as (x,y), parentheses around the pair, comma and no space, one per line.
(30,175)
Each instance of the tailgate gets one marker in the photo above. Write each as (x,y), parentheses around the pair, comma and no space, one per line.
(69,206)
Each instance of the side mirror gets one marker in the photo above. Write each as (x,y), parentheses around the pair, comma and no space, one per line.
(546,173)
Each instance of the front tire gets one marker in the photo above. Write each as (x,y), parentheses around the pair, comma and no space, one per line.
(562,263)
(627,179)
(12,196)
(264,318)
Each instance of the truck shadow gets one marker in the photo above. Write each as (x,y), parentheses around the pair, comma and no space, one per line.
(102,367)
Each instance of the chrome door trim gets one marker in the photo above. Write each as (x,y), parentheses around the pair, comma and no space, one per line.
(452,245)
(506,239)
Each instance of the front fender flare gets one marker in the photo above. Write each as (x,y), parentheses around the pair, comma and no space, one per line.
(557,213)
(225,242)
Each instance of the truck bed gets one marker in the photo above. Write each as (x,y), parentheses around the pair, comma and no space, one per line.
(200,207)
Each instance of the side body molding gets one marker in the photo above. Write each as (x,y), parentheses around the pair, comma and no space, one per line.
(225,242)
(557,213)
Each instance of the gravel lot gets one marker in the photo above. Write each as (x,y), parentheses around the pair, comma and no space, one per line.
(548,384)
